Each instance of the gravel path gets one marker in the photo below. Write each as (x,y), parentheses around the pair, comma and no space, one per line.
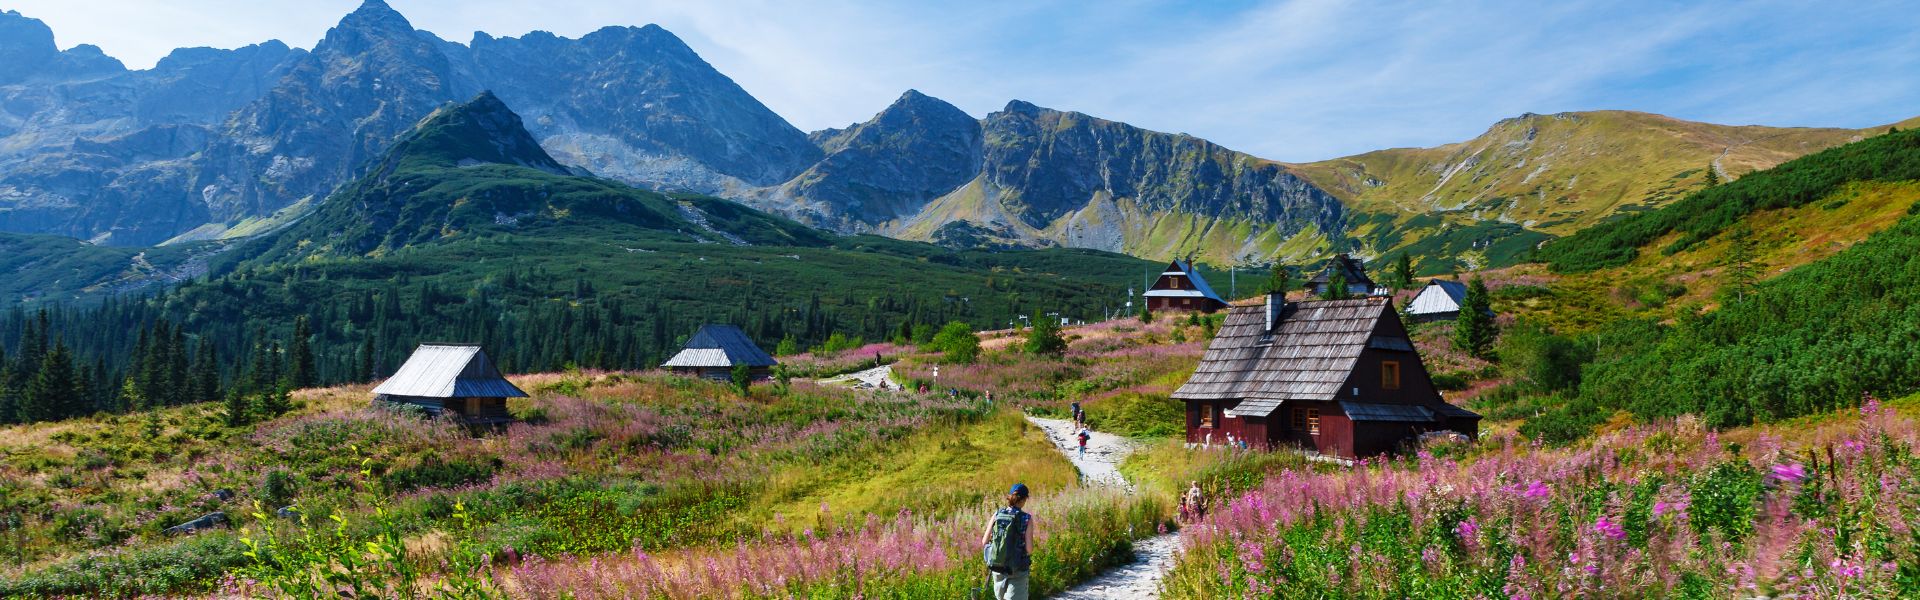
(1153,556)
(873,377)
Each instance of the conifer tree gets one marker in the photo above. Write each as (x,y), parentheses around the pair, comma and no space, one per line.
(300,367)
(52,394)
(239,409)
(1336,286)
(206,374)
(1279,280)
(1742,274)
(1474,330)
(1403,272)
(365,372)
(1713,176)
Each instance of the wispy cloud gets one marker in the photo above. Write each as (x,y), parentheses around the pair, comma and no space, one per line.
(1291,80)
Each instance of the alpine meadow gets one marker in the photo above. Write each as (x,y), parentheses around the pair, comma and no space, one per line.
(574,315)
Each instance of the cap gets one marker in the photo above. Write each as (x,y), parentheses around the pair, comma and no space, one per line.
(1019,489)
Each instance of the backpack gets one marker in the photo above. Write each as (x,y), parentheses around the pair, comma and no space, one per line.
(1084,437)
(1003,544)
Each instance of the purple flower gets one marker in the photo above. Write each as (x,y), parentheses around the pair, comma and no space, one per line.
(1538,489)
(1609,528)
(1467,529)
(1789,473)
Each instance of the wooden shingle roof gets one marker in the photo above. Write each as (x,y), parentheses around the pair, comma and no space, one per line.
(1308,355)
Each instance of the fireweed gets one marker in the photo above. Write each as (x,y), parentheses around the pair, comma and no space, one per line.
(1661,510)
(1076,534)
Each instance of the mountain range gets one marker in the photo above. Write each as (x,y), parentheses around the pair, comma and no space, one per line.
(215,144)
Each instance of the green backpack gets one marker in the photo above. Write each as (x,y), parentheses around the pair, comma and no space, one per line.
(1005,540)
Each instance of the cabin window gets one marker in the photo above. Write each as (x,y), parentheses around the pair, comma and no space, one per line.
(1206,415)
(1390,375)
(1299,418)
(1313,421)
(1186,302)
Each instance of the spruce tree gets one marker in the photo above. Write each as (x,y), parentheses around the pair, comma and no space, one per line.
(52,394)
(1336,286)
(365,372)
(1403,272)
(1279,280)
(1474,330)
(239,408)
(300,367)
(1742,273)
(1713,176)
(206,374)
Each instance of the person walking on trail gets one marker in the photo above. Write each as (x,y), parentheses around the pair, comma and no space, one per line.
(1079,416)
(1193,503)
(1008,562)
(1084,436)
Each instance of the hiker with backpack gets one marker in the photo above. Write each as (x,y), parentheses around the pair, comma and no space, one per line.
(1084,436)
(1008,561)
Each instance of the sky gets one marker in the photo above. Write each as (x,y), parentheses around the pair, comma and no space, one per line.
(1296,80)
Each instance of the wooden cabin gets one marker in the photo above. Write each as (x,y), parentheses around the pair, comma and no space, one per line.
(456,380)
(1180,287)
(1337,377)
(714,350)
(1439,301)
(1355,271)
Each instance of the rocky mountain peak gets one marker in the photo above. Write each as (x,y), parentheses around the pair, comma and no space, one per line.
(479,131)
(27,50)
(1023,107)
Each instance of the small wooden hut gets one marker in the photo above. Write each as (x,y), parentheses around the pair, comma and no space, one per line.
(451,379)
(1439,301)
(715,350)
(1339,377)
(1353,269)
(1180,287)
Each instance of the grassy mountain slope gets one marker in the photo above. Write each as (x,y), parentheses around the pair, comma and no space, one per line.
(44,269)
(1702,215)
(1528,179)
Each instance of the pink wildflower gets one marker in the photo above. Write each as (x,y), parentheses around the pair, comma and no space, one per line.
(1467,529)
(1538,489)
(1609,528)
(1789,473)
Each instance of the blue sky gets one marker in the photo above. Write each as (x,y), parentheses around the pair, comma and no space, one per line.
(1289,80)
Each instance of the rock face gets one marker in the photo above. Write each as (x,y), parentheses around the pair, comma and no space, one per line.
(1031,176)
(210,139)
(888,168)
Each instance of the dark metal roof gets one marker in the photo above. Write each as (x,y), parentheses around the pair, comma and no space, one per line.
(1185,268)
(448,371)
(720,346)
(1399,413)
(1308,355)
(1354,269)
(1450,411)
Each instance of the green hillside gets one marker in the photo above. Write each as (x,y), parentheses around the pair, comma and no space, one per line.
(1703,214)
(42,269)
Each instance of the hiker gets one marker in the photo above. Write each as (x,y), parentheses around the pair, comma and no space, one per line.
(1079,417)
(989,397)
(1084,437)
(1005,543)
(1193,505)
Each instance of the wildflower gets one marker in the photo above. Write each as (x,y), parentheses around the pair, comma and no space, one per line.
(1789,473)
(1609,528)
(1538,489)
(1467,529)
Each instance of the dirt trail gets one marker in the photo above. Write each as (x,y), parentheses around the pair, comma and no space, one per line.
(1101,466)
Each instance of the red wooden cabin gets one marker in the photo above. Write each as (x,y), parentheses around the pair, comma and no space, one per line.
(1338,377)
